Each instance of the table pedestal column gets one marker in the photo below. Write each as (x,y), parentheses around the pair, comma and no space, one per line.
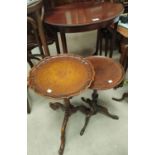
(69,110)
(94,109)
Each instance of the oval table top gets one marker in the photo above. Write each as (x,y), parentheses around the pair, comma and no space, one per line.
(61,76)
(108,73)
(83,13)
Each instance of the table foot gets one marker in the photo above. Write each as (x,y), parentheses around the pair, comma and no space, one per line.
(122,98)
(94,109)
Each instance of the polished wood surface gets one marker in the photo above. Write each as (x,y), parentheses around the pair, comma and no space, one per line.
(84,13)
(61,76)
(108,73)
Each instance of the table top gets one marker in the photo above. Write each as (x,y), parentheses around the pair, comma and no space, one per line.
(61,76)
(83,13)
(108,73)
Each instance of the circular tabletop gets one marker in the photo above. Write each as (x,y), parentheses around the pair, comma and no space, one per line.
(61,76)
(108,73)
(83,13)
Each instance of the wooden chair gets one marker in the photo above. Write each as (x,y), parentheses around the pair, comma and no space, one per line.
(36,36)
(33,40)
(35,13)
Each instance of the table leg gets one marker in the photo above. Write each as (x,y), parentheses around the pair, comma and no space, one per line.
(85,125)
(122,98)
(28,104)
(101,39)
(95,108)
(105,111)
(63,40)
(69,110)
(28,107)
(97,41)
(57,43)
(64,124)
(113,40)
(106,44)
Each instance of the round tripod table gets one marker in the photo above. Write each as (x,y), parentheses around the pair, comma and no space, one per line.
(62,77)
(108,74)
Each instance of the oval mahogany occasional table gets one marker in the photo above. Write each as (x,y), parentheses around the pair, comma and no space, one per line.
(62,77)
(81,17)
(108,74)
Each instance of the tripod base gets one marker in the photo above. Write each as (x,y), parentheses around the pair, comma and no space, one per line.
(94,109)
(69,110)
